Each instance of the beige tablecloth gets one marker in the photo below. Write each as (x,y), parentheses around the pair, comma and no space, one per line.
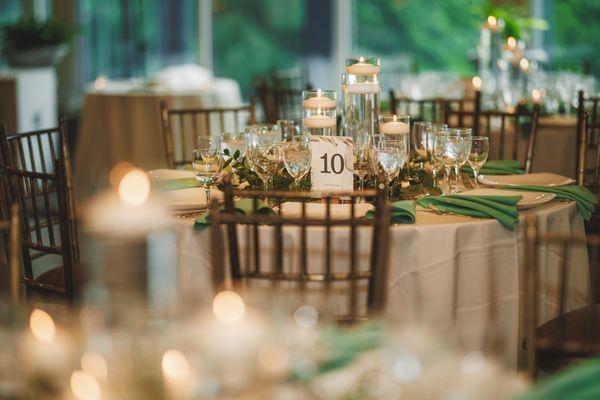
(123,124)
(451,270)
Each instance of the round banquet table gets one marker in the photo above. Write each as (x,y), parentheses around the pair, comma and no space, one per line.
(121,123)
(463,273)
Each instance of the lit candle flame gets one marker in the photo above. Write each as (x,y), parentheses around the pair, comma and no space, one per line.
(395,118)
(42,326)
(175,367)
(524,64)
(134,188)
(492,20)
(477,82)
(318,92)
(84,386)
(536,95)
(511,42)
(228,307)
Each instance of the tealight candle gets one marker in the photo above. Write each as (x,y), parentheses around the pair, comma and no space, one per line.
(319,121)
(394,127)
(319,101)
(362,68)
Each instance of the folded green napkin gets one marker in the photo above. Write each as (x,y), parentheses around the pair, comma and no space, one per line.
(497,167)
(581,382)
(402,212)
(585,199)
(502,208)
(242,207)
(177,184)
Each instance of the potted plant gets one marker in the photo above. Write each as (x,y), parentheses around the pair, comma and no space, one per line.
(33,43)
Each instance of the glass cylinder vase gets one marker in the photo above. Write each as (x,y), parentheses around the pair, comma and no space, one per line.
(319,115)
(361,96)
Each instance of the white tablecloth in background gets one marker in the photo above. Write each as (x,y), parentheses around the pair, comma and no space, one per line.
(450,269)
(122,123)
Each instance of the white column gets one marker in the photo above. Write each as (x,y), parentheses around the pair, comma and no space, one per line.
(205,33)
(537,11)
(342,37)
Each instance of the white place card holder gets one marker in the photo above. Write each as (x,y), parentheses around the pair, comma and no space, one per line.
(328,170)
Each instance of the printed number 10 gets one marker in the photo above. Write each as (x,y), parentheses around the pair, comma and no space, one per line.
(336,162)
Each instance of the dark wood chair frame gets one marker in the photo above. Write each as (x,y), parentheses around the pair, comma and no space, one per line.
(477,115)
(557,346)
(588,139)
(376,276)
(171,117)
(34,189)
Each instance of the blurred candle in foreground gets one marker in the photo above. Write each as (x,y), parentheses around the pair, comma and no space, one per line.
(476,82)
(536,95)
(84,386)
(134,264)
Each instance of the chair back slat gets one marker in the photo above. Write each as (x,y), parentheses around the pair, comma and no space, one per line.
(279,225)
(187,124)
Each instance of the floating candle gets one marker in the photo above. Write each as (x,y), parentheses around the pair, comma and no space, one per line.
(319,102)
(319,121)
(394,127)
(362,68)
(363,88)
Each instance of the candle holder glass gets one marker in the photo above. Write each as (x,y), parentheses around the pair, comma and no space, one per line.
(361,96)
(319,116)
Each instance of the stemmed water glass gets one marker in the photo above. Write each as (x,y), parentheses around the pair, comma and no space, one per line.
(430,132)
(288,128)
(296,157)
(479,148)
(359,161)
(232,142)
(402,143)
(461,158)
(207,163)
(388,158)
(263,155)
(447,150)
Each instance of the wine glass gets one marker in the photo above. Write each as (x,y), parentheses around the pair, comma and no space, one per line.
(289,130)
(446,151)
(420,130)
(464,133)
(232,142)
(359,161)
(263,155)
(479,148)
(388,158)
(297,157)
(207,163)
(402,143)
(432,130)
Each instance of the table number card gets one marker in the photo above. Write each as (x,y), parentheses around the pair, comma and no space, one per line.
(328,170)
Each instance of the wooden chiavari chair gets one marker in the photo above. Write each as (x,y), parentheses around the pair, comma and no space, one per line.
(247,266)
(430,110)
(588,141)
(181,127)
(280,102)
(36,176)
(574,334)
(492,123)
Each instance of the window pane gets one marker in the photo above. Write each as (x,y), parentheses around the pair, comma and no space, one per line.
(127,38)
(574,35)
(416,34)
(254,38)
(10,11)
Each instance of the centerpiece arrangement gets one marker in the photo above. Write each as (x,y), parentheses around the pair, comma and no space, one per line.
(367,148)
